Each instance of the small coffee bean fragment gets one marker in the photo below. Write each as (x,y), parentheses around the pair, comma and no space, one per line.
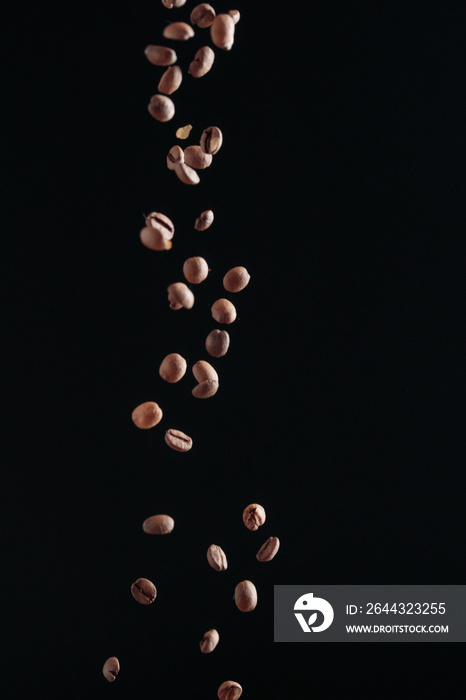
(160,55)
(217,558)
(222,31)
(154,239)
(184,131)
(211,140)
(204,220)
(178,441)
(195,157)
(223,311)
(253,516)
(161,108)
(209,641)
(179,31)
(235,15)
(268,549)
(175,157)
(170,80)
(158,525)
(230,690)
(161,223)
(195,270)
(236,279)
(173,368)
(147,415)
(203,15)
(180,296)
(173,3)
(144,591)
(187,174)
(217,343)
(245,596)
(111,669)
(202,62)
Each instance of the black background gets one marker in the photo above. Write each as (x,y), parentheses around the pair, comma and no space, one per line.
(341,404)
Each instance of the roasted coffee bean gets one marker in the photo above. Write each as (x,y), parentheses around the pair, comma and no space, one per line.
(161,223)
(207,377)
(196,158)
(209,641)
(195,270)
(245,596)
(205,390)
(254,516)
(235,15)
(211,140)
(217,343)
(173,3)
(222,31)
(217,558)
(268,549)
(173,368)
(175,157)
(160,55)
(203,15)
(186,174)
(178,31)
(236,279)
(223,311)
(154,239)
(202,62)
(178,441)
(204,220)
(161,108)
(230,690)
(158,525)
(144,591)
(111,669)
(147,415)
(170,80)
(180,296)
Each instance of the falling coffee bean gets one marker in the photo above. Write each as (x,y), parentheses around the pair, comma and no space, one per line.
(147,415)
(196,158)
(217,343)
(186,174)
(173,368)
(178,441)
(111,669)
(236,279)
(204,220)
(170,80)
(161,223)
(230,690)
(209,641)
(207,377)
(195,270)
(222,31)
(203,15)
(158,525)
(175,157)
(202,62)
(144,591)
(211,140)
(161,108)
(245,596)
(178,31)
(223,311)
(180,296)
(160,55)
(268,549)
(254,516)
(217,558)
(154,239)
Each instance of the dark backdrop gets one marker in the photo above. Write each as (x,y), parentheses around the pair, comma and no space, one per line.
(341,404)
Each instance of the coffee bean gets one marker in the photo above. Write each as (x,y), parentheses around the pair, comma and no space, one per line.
(161,223)
(196,158)
(154,239)
(245,596)
(161,108)
(186,174)
(203,15)
(144,591)
(222,31)
(230,690)
(180,296)
(158,525)
(216,558)
(254,516)
(211,140)
(205,390)
(178,441)
(217,343)
(179,31)
(175,157)
(173,3)
(209,641)
(235,15)
(160,55)
(170,80)
(204,220)
(202,62)
(223,311)
(207,377)
(236,279)
(173,368)
(147,415)
(195,270)
(111,669)
(268,549)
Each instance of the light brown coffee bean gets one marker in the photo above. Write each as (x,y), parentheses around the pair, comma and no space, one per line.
(111,669)
(202,62)
(158,525)
(173,3)
(161,223)
(217,343)
(187,174)
(223,311)
(230,690)
(204,220)
(203,15)
(144,591)
(195,270)
(154,239)
(268,549)
(178,441)
(178,31)
(209,641)
(173,368)
(180,296)
(245,596)
(236,279)
(211,140)
(170,80)
(254,516)
(235,15)
(196,158)
(160,55)
(222,31)
(205,390)
(203,371)
(175,157)
(161,108)
(147,415)
(217,558)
